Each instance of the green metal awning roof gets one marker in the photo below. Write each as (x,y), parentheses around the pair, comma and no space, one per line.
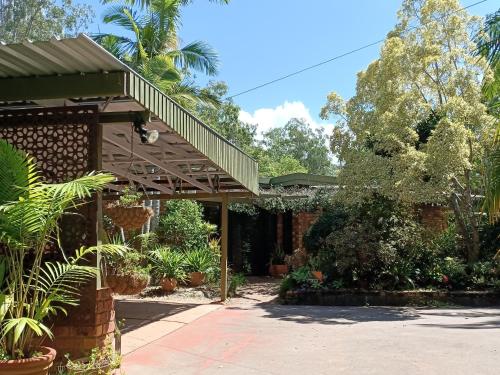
(190,155)
(298,179)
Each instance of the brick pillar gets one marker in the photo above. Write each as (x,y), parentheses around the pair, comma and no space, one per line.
(86,326)
(301,222)
(279,229)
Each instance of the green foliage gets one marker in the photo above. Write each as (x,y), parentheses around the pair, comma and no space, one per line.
(200,260)
(22,20)
(128,263)
(277,165)
(376,244)
(331,219)
(33,291)
(301,278)
(101,361)
(225,118)
(130,197)
(291,199)
(236,280)
(182,227)
(277,256)
(152,47)
(167,263)
(297,144)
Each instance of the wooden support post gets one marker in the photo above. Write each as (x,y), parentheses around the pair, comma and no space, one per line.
(224,246)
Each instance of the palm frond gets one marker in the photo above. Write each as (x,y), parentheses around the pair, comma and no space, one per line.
(17,173)
(198,56)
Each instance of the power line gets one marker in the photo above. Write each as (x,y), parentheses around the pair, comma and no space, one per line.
(334,58)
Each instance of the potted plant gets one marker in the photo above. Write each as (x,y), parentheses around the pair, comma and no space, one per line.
(32,291)
(127,273)
(101,361)
(167,267)
(314,266)
(128,212)
(277,265)
(198,262)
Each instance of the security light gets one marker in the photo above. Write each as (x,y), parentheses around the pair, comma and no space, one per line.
(147,136)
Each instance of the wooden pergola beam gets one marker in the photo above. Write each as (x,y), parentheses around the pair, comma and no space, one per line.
(141,180)
(231,195)
(151,159)
(224,229)
(64,86)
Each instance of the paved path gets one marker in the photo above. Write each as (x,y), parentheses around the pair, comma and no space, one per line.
(253,337)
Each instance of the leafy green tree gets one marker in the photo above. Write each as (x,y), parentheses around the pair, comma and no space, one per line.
(417,128)
(224,119)
(155,52)
(296,140)
(182,226)
(22,20)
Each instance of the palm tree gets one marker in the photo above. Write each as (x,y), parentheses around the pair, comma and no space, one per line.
(32,290)
(154,49)
(488,42)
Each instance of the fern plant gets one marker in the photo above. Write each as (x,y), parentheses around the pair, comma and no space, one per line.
(32,290)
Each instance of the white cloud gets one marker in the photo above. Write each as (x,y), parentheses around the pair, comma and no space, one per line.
(267,118)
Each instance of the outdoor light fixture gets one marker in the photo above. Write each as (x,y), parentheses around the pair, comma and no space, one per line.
(147,136)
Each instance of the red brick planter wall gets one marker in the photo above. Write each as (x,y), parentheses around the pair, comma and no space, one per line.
(87,326)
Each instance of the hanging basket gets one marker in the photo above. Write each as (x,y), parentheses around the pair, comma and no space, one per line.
(129,218)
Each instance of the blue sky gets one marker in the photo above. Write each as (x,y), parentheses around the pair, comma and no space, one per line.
(260,40)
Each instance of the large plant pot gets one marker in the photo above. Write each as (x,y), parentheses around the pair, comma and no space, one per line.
(318,275)
(168,284)
(196,278)
(278,270)
(129,218)
(30,366)
(127,284)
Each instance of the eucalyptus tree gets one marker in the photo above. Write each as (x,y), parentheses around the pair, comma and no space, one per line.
(22,20)
(417,128)
(151,47)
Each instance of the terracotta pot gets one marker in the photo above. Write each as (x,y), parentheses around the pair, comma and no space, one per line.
(318,275)
(278,270)
(127,284)
(30,366)
(168,284)
(129,218)
(196,278)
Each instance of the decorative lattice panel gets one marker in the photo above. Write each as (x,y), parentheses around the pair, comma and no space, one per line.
(64,142)
(58,138)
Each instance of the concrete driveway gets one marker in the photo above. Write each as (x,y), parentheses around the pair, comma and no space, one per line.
(253,337)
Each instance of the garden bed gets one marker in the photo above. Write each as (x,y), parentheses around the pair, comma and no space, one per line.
(353,297)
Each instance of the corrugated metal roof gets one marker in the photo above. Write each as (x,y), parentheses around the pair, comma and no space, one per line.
(83,55)
(55,57)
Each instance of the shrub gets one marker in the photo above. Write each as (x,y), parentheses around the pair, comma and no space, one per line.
(167,264)
(199,260)
(378,244)
(332,219)
(182,226)
(128,263)
(235,281)
(277,256)
(299,279)
(454,272)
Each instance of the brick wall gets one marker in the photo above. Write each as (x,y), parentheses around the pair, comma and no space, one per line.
(279,229)
(433,218)
(87,325)
(301,222)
